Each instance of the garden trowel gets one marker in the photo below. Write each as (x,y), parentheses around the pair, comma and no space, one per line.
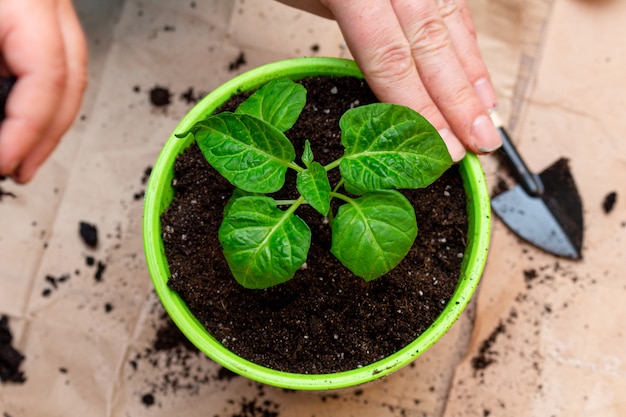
(543,209)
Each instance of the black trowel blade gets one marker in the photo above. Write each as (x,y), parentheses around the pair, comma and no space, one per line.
(553,221)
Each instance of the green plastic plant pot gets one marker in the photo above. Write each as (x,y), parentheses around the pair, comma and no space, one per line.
(159,194)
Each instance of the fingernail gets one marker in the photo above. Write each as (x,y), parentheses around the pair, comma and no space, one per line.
(455,147)
(486,94)
(485,136)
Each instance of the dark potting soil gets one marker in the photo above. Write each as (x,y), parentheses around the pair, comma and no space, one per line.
(4,193)
(609,202)
(10,358)
(485,356)
(237,62)
(325,319)
(160,96)
(88,233)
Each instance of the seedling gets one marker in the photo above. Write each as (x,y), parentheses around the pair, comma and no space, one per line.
(387,147)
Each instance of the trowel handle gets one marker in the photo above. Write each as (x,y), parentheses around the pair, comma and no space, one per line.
(529,181)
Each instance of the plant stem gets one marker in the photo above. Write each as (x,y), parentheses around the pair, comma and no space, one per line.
(339,184)
(295,205)
(295,167)
(333,164)
(341,197)
(285,202)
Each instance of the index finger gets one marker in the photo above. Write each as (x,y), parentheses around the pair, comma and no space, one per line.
(33,52)
(432,28)
(380,47)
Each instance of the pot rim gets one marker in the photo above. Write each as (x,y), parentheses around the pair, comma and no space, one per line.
(159,194)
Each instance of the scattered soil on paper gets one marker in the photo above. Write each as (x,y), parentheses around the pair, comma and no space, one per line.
(325,319)
(172,354)
(181,368)
(505,340)
(10,358)
(160,96)
(88,233)
(256,407)
(4,193)
(238,62)
(53,283)
(139,195)
(486,354)
(190,96)
(609,202)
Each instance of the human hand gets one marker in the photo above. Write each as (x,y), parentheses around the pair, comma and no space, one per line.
(422,54)
(43,46)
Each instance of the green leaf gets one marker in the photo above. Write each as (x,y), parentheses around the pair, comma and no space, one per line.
(353,189)
(237,193)
(373,233)
(279,103)
(251,154)
(263,245)
(313,185)
(390,146)
(307,155)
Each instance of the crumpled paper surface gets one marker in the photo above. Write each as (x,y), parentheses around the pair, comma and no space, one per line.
(542,337)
